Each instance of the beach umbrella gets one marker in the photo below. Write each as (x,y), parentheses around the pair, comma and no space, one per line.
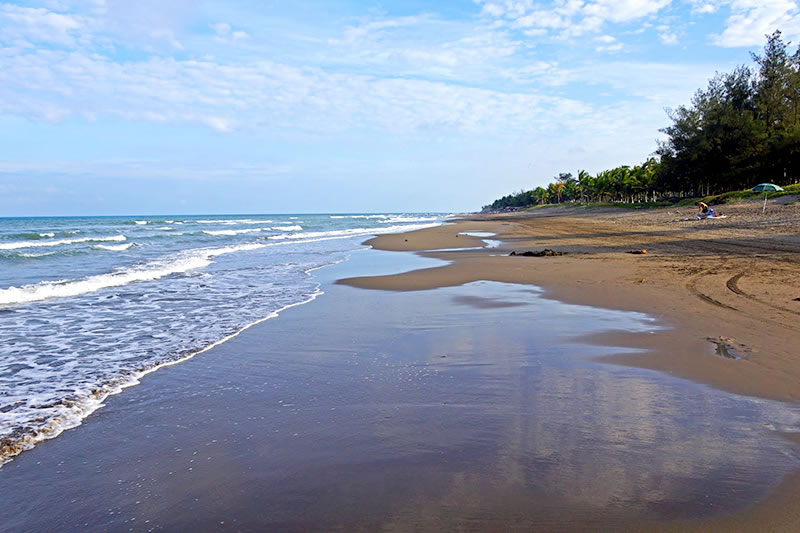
(766,187)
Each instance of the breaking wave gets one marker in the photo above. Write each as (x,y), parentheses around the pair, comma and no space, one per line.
(36,244)
(190,260)
(114,247)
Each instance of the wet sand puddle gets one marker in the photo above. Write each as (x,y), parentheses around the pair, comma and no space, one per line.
(457,408)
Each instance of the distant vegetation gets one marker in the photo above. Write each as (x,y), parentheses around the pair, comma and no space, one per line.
(743,129)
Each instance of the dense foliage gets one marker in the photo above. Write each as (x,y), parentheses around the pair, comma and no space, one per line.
(743,129)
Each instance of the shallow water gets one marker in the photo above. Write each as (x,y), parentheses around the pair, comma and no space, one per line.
(457,408)
(90,303)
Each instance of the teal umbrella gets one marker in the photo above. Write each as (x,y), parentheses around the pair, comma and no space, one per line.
(766,187)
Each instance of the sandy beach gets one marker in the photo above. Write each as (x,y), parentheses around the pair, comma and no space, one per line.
(577,392)
(728,289)
(734,281)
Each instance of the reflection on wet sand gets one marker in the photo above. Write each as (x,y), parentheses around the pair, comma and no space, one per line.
(556,431)
(374,410)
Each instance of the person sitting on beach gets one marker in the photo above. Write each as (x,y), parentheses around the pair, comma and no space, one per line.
(705,211)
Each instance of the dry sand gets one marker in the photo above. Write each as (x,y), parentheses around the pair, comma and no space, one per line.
(733,282)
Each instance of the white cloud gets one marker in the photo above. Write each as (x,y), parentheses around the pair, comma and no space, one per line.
(420,76)
(667,35)
(608,44)
(705,7)
(663,84)
(222,29)
(543,72)
(616,47)
(372,30)
(225,31)
(571,18)
(37,24)
(259,94)
(423,46)
(493,10)
(750,20)
(668,38)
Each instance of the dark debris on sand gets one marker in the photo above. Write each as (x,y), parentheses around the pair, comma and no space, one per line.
(547,252)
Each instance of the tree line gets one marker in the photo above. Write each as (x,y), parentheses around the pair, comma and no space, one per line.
(743,129)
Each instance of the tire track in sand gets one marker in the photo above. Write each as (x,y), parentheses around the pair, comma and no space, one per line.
(733,286)
(692,287)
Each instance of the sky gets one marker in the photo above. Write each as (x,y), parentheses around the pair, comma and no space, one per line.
(254,106)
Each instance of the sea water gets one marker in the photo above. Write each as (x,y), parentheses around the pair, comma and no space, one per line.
(90,304)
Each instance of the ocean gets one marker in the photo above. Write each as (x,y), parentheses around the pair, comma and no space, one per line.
(90,304)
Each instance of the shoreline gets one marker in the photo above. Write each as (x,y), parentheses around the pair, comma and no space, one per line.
(691,294)
(415,410)
(664,283)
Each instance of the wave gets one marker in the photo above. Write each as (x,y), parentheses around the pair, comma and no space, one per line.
(231,231)
(388,219)
(231,222)
(140,222)
(43,254)
(45,290)
(287,228)
(113,247)
(342,233)
(394,220)
(73,412)
(33,236)
(360,216)
(27,244)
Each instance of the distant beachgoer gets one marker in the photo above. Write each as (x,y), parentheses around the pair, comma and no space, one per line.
(705,211)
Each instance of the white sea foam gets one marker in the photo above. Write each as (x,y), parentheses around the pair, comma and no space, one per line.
(343,233)
(47,234)
(42,254)
(189,260)
(71,414)
(395,220)
(231,231)
(36,244)
(288,228)
(160,322)
(231,222)
(114,247)
(361,216)
(140,222)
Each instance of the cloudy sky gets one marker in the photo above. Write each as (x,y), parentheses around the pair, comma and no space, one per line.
(237,106)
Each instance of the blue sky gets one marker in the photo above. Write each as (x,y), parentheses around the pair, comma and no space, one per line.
(189,106)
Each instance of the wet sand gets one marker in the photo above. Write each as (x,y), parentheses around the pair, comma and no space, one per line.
(734,281)
(472,407)
(731,283)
